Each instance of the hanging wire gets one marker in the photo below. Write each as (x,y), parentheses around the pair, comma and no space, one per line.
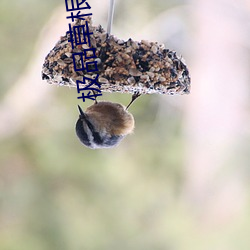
(110,15)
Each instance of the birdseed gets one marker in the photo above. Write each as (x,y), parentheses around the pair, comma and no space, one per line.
(123,66)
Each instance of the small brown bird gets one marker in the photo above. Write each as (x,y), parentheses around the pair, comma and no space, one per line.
(104,124)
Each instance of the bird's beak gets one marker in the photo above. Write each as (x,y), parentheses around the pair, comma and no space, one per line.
(82,115)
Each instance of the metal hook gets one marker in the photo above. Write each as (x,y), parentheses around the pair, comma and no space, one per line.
(110,15)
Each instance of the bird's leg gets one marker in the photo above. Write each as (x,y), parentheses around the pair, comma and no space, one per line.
(134,97)
(95,96)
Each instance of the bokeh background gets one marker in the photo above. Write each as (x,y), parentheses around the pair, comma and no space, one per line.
(180,182)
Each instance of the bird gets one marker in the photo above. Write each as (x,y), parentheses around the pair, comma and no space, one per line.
(104,124)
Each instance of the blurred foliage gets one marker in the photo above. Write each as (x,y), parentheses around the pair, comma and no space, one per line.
(20,24)
(56,194)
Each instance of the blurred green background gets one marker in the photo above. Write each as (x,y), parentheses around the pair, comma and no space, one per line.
(180,182)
